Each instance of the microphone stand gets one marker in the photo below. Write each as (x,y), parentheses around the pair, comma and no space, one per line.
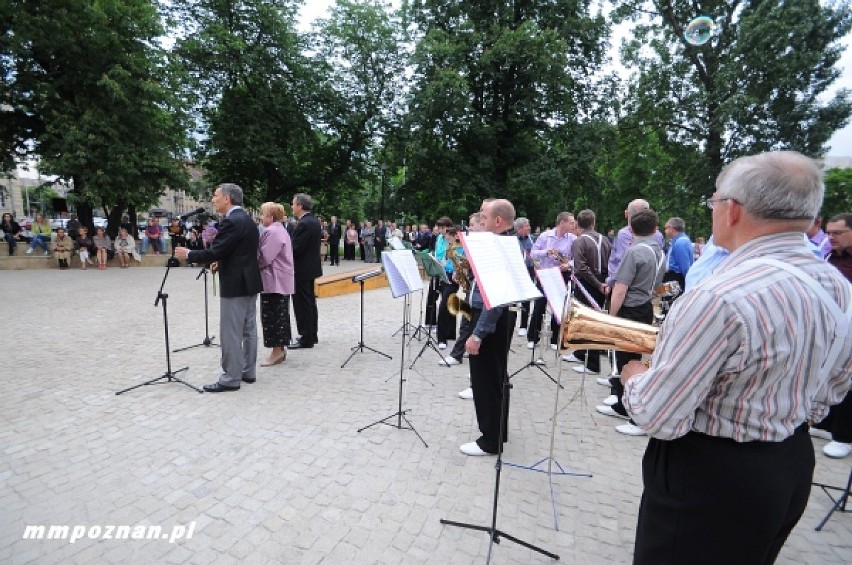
(208,339)
(360,347)
(169,375)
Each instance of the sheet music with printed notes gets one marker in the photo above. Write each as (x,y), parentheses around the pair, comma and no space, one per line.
(554,289)
(498,267)
(402,272)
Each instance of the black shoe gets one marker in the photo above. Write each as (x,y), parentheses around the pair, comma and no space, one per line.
(300,345)
(216,387)
(249,379)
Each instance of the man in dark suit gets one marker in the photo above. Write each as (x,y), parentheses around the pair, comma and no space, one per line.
(308,266)
(334,234)
(235,252)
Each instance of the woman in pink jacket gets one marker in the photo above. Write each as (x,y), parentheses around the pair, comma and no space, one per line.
(275,258)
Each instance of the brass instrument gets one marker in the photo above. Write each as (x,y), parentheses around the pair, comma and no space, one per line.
(585,328)
(461,267)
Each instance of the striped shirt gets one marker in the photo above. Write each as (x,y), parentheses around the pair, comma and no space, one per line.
(739,356)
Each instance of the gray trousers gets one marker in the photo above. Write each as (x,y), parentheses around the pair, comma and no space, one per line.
(238,334)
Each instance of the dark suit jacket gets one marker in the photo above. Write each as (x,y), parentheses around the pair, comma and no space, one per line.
(334,233)
(306,248)
(235,249)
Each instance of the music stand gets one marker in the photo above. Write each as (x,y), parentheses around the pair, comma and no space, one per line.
(169,375)
(495,534)
(839,503)
(437,273)
(400,413)
(208,339)
(550,459)
(533,362)
(360,347)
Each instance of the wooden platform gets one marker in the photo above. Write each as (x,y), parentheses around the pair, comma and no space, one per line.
(341,283)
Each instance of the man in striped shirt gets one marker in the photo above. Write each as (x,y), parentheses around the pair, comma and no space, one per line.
(747,358)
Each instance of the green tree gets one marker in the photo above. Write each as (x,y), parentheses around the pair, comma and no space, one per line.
(95,92)
(496,84)
(758,84)
(838,193)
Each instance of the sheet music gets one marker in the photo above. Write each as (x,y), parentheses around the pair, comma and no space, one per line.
(499,269)
(402,272)
(396,243)
(554,289)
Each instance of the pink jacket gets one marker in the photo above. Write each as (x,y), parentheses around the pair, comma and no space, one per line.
(275,258)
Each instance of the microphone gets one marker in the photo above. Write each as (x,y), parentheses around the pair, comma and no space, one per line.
(190,214)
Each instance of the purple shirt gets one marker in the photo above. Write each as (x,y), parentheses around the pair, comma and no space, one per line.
(550,240)
(275,259)
(619,248)
(820,239)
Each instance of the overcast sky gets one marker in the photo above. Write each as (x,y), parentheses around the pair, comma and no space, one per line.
(840,144)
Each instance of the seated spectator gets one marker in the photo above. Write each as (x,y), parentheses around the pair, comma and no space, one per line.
(63,246)
(176,233)
(153,232)
(11,231)
(41,233)
(103,247)
(125,247)
(85,247)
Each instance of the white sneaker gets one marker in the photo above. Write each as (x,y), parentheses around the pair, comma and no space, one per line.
(522,332)
(610,400)
(29,251)
(442,345)
(530,345)
(608,411)
(553,346)
(449,360)
(604,382)
(837,450)
(822,434)
(46,253)
(466,394)
(570,358)
(630,430)
(473,449)
(582,369)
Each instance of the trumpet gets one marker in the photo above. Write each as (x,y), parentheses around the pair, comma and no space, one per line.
(585,328)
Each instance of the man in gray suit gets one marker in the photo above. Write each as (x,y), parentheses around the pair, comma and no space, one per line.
(235,252)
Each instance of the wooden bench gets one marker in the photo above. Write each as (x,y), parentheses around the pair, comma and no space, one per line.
(341,283)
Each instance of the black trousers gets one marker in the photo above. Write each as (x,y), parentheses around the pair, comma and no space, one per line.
(305,309)
(275,319)
(349,251)
(643,313)
(334,252)
(839,421)
(432,302)
(535,322)
(709,501)
(592,357)
(488,372)
(446,322)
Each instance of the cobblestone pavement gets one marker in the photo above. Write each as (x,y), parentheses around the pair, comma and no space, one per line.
(278,472)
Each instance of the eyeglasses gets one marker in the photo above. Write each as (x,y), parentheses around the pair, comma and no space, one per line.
(837,233)
(711,202)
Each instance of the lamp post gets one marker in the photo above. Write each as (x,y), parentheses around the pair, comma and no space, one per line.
(384,169)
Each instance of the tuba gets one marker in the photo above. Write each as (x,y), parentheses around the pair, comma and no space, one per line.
(461,266)
(586,328)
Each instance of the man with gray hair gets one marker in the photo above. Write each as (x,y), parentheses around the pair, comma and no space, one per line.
(749,356)
(625,238)
(235,252)
(522,230)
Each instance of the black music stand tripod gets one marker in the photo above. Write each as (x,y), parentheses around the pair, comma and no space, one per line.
(839,503)
(400,413)
(169,375)
(493,533)
(533,362)
(360,347)
(208,339)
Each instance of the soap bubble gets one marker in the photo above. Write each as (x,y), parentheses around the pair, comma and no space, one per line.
(699,31)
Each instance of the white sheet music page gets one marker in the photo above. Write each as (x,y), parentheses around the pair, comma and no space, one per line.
(402,272)
(498,266)
(554,289)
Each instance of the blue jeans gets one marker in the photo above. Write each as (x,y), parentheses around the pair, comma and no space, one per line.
(39,241)
(144,247)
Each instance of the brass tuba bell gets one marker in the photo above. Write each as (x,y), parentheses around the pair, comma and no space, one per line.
(456,305)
